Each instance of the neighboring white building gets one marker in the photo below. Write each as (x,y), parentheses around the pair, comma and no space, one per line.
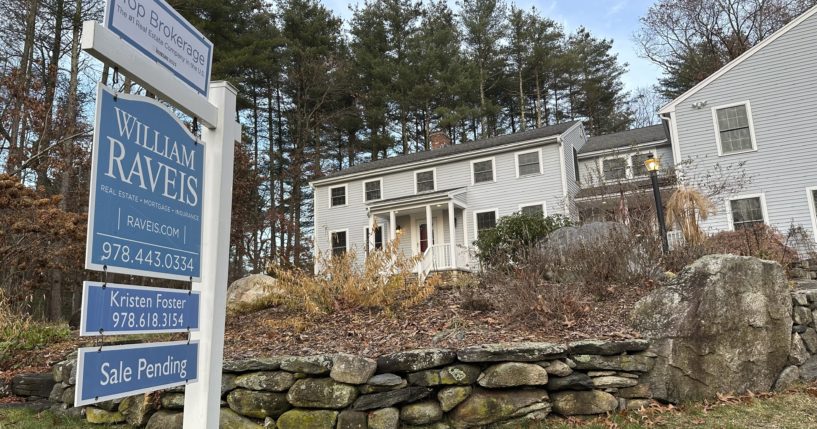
(439,200)
(759,110)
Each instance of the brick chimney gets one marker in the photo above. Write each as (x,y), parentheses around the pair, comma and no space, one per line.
(439,139)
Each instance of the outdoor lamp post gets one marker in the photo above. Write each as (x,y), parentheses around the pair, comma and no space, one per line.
(653,165)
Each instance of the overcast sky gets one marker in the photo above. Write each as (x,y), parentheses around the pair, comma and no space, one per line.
(610,19)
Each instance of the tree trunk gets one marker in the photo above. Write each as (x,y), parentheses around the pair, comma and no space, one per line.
(521,101)
(21,86)
(538,102)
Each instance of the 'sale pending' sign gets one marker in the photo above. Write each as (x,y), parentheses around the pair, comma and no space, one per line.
(114,309)
(120,371)
(147,184)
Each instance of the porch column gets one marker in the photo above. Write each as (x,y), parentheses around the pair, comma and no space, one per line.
(370,235)
(392,226)
(465,240)
(451,236)
(429,227)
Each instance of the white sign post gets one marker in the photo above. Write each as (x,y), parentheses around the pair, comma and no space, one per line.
(217,113)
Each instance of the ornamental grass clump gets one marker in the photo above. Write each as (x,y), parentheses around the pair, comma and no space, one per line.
(385,281)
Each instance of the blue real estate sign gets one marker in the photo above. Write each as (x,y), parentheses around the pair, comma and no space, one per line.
(119,371)
(146,191)
(113,309)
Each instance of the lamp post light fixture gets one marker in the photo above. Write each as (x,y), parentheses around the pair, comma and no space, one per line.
(653,165)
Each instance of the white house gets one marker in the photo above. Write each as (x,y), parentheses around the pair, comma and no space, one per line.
(759,110)
(437,201)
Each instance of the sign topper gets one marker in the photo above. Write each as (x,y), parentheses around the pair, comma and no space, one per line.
(120,371)
(147,183)
(158,31)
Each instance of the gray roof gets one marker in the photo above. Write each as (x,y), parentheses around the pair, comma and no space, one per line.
(625,139)
(544,132)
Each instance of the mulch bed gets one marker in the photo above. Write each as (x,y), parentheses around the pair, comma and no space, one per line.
(440,321)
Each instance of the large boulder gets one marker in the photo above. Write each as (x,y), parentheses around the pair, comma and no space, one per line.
(247,292)
(722,325)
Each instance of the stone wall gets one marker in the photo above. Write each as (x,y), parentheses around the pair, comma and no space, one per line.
(496,385)
(803,351)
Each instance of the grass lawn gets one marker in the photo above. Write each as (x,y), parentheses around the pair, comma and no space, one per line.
(794,409)
(24,418)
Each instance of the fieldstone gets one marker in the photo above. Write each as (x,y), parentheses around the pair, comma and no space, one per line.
(798,353)
(503,352)
(534,419)
(269,423)
(173,401)
(229,419)
(254,364)
(558,369)
(583,403)
(312,419)
(787,378)
(385,418)
(637,363)
(484,407)
(799,298)
(598,347)
(799,328)
(68,395)
(421,413)
(351,369)
(809,338)
(251,291)
(415,360)
(367,388)
(59,373)
(627,374)
(164,419)
(137,409)
(510,374)
(39,385)
(99,416)
(637,404)
(273,381)
(227,383)
(612,381)
(257,404)
(349,419)
(641,390)
(461,374)
(570,363)
(575,381)
(801,315)
(109,405)
(600,373)
(56,393)
(392,397)
(321,393)
(450,397)
(385,380)
(808,370)
(723,324)
(313,365)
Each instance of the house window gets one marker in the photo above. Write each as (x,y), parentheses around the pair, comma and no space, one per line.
(533,210)
(483,171)
(425,181)
(746,212)
(576,165)
(485,220)
(734,128)
(378,238)
(372,190)
(614,168)
(639,168)
(337,196)
(338,243)
(528,163)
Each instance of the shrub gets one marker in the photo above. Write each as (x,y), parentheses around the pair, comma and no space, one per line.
(385,282)
(514,234)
